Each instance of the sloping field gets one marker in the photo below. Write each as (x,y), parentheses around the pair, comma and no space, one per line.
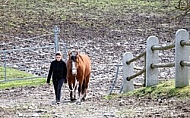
(104,30)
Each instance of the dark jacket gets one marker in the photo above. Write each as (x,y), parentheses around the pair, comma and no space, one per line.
(58,69)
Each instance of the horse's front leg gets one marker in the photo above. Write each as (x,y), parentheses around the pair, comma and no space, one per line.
(71,92)
(74,92)
(79,93)
(72,88)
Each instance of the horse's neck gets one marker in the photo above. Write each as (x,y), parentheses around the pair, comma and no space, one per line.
(80,58)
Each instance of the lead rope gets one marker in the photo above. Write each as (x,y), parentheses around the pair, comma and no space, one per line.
(75,85)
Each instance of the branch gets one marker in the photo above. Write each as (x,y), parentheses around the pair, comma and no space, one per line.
(183,5)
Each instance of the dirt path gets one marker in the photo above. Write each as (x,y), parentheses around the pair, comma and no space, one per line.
(38,102)
(105,38)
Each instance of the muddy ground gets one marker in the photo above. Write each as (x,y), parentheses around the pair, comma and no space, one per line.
(104,36)
(38,102)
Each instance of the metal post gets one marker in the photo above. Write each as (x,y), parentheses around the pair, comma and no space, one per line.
(127,71)
(144,85)
(65,50)
(151,58)
(115,80)
(56,41)
(5,66)
(181,54)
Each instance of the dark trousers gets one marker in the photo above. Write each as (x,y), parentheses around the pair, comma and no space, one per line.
(57,83)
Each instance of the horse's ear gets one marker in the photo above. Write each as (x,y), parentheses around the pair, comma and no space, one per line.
(69,53)
(77,52)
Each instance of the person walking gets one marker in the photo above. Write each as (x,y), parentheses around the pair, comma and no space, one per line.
(58,73)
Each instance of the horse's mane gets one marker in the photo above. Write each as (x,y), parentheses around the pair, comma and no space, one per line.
(78,55)
(81,57)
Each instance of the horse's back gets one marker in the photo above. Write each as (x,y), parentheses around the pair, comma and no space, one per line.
(86,58)
(86,63)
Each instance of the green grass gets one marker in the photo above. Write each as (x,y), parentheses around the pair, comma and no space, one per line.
(164,89)
(15,74)
(16,15)
(19,83)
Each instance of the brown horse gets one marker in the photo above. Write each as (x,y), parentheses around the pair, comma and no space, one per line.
(78,70)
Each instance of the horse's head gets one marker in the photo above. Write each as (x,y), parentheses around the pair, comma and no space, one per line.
(73,57)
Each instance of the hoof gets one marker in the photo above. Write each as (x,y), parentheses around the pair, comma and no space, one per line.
(83,99)
(78,102)
(73,99)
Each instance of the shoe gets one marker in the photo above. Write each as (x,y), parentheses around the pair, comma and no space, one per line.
(57,101)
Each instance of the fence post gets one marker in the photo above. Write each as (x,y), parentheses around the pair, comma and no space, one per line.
(151,57)
(181,54)
(56,41)
(65,56)
(5,66)
(127,71)
(144,85)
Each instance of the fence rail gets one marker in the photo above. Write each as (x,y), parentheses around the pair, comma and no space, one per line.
(161,47)
(54,46)
(30,48)
(18,39)
(137,74)
(136,58)
(151,62)
(185,43)
(185,63)
(162,65)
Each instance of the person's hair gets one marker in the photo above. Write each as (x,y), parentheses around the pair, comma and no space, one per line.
(58,53)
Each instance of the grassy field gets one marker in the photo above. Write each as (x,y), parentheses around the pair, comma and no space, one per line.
(19,83)
(38,17)
(165,89)
(13,73)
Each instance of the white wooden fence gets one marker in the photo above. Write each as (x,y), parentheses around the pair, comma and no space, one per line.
(181,64)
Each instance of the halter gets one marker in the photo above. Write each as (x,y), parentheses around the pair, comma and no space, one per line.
(74,70)
(75,85)
(73,59)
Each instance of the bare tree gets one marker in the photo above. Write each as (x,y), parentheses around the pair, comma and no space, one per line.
(184,6)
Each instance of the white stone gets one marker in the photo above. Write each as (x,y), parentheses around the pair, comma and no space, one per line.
(181,54)
(151,58)
(127,71)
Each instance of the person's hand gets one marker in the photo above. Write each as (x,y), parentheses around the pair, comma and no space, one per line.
(47,85)
(65,80)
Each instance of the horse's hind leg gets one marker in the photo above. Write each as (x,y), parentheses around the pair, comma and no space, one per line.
(84,90)
(85,86)
(79,90)
(84,96)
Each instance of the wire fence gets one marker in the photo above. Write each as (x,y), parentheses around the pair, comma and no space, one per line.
(32,55)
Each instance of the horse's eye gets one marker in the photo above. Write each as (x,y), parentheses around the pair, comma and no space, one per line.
(73,58)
